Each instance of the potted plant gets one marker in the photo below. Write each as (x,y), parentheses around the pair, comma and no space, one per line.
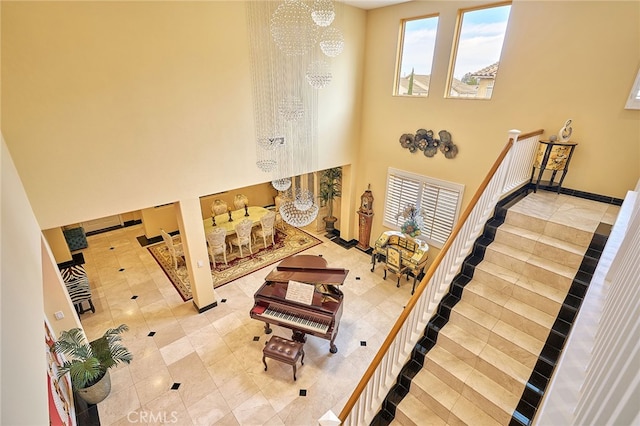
(330,187)
(89,362)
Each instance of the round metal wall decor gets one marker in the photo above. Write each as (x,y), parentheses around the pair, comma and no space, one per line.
(424,141)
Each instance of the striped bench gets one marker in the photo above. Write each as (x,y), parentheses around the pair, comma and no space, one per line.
(77,283)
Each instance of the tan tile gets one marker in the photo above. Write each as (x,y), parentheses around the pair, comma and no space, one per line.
(208,410)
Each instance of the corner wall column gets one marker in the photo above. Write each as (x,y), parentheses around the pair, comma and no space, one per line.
(196,255)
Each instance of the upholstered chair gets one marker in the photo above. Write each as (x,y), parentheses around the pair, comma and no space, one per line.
(218,207)
(266,230)
(243,235)
(279,222)
(175,250)
(217,244)
(394,264)
(239,201)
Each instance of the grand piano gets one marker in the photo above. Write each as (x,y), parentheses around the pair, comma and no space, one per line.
(301,294)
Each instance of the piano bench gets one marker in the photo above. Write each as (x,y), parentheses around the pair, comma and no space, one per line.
(283,350)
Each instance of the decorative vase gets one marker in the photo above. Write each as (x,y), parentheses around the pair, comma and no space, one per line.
(97,392)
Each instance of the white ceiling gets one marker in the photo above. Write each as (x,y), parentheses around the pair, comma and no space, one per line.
(372,4)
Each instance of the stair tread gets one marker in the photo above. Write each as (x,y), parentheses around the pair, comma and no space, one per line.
(506,364)
(499,271)
(492,391)
(434,387)
(518,337)
(418,412)
(469,413)
(449,362)
(477,315)
(487,292)
(463,338)
(529,312)
(542,289)
(532,259)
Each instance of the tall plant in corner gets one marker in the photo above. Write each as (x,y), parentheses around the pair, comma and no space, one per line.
(88,362)
(330,188)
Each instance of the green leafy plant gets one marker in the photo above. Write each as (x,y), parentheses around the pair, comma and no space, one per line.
(330,187)
(88,362)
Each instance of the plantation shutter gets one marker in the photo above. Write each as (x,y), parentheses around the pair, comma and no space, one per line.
(439,208)
(439,202)
(400,192)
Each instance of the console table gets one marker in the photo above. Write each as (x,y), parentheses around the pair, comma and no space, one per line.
(554,157)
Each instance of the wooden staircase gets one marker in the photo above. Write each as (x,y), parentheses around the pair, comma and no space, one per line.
(500,329)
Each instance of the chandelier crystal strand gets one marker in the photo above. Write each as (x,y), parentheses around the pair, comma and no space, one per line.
(293,29)
(281,184)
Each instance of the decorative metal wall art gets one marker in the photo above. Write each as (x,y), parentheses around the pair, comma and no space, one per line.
(424,140)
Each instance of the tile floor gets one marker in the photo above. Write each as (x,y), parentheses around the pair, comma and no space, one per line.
(216,356)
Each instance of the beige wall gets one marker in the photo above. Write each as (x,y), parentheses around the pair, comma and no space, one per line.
(58,244)
(23,388)
(130,105)
(560,60)
(259,195)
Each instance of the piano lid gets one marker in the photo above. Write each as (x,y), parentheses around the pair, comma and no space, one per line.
(307,269)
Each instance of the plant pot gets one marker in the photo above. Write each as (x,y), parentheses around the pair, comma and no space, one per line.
(97,392)
(329,223)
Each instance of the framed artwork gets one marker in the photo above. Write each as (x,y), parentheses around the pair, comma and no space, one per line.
(61,408)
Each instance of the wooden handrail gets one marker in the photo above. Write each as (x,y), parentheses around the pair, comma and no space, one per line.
(384,348)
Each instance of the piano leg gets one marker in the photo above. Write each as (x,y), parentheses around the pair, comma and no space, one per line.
(373,261)
(332,347)
(298,336)
(267,328)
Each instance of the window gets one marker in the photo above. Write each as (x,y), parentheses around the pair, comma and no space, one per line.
(633,102)
(438,201)
(417,42)
(476,54)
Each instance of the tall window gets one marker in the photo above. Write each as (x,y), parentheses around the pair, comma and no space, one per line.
(479,38)
(417,42)
(438,202)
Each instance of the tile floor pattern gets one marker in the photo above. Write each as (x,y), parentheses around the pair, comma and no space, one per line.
(214,356)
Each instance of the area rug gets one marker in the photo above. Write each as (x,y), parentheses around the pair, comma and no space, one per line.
(288,242)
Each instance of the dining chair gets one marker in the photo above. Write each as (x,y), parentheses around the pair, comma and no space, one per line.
(239,201)
(267,223)
(175,250)
(279,222)
(217,244)
(218,207)
(243,235)
(394,264)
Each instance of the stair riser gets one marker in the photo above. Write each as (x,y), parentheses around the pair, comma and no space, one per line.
(506,346)
(516,241)
(470,356)
(536,300)
(550,278)
(558,255)
(527,222)
(469,325)
(515,385)
(433,404)
(480,302)
(568,234)
(524,324)
(486,405)
(443,373)
(494,282)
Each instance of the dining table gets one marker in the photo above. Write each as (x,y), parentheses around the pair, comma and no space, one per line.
(255,213)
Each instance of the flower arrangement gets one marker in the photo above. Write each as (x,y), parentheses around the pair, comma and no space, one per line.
(412,220)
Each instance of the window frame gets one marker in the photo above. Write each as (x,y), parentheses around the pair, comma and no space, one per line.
(456,44)
(400,53)
(394,204)
(633,101)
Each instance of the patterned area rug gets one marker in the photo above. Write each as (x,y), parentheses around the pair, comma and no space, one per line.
(288,242)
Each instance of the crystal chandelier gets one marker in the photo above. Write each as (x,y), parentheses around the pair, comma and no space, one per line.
(332,42)
(291,42)
(323,12)
(281,184)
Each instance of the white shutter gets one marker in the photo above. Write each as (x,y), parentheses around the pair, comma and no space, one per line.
(439,202)
(400,192)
